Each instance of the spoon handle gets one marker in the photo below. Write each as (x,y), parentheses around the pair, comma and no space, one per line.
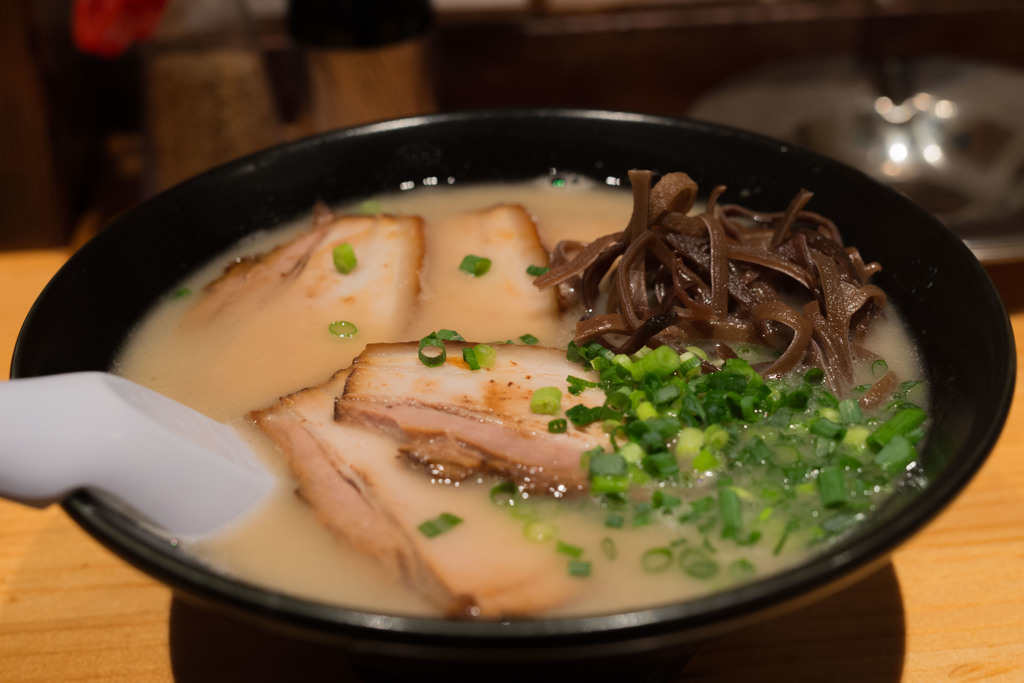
(177,467)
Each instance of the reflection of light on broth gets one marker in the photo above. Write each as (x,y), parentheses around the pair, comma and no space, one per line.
(281,546)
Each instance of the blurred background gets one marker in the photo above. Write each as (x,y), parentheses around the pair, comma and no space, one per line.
(105,102)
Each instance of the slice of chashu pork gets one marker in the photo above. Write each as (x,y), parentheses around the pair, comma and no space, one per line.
(300,276)
(460,422)
(506,235)
(374,500)
(264,323)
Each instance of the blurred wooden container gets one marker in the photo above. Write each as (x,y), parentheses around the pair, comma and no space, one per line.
(32,208)
(208,99)
(365,60)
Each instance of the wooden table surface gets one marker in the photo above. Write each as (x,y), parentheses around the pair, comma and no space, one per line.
(949,606)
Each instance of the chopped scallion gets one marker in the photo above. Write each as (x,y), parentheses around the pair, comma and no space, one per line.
(344,258)
(697,563)
(537,530)
(579,568)
(475,265)
(656,560)
(449,335)
(568,549)
(832,487)
(894,457)
(431,351)
(742,569)
(503,493)
(581,415)
(546,401)
(446,521)
(899,424)
(342,328)
(536,271)
(731,512)
(370,207)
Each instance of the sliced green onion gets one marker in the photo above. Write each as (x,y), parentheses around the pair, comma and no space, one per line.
(449,335)
(825,427)
(849,411)
(697,563)
(475,265)
(577,385)
(558,425)
(786,454)
(814,375)
(606,483)
(528,339)
(831,487)
(665,501)
(430,358)
(689,442)
(370,207)
(791,526)
(503,493)
(536,271)
(896,455)
(666,394)
(705,461)
(469,355)
(604,463)
(742,569)
(446,521)
(716,436)
(579,568)
(661,362)
(181,293)
(879,368)
(646,410)
(486,355)
(546,401)
(581,415)
(568,549)
(344,258)
(857,436)
(730,511)
(899,424)
(661,464)
(614,520)
(342,328)
(656,560)
(608,547)
(540,531)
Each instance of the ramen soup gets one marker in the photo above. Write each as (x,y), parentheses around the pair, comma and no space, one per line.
(452,439)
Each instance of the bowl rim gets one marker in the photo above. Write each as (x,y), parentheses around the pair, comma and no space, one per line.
(677,622)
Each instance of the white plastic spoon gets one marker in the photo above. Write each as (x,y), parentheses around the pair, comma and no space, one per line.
(178,468)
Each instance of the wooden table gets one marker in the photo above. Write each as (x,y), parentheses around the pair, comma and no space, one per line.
(949,606)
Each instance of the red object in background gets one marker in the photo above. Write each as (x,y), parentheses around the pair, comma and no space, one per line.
(107,28)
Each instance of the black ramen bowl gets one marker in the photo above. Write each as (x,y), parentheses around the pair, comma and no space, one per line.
(83,316)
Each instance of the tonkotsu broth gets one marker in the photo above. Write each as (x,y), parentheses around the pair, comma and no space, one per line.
(251,359)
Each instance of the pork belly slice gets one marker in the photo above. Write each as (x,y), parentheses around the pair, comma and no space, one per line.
(373,501)
(505,234)
(459,422)
(300,276)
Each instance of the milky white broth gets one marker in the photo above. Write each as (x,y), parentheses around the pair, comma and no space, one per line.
(282,546)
